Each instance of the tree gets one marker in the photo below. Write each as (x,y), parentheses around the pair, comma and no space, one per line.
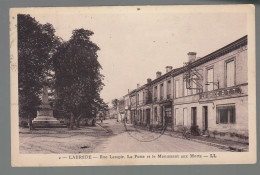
(115,103)
(78,80)
(36,43)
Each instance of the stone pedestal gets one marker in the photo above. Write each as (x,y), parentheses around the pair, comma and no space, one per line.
(45,117)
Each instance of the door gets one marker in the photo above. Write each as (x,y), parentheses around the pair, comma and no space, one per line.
(168,116)
(148,117)
(205,117)
(193,116)
(162,113)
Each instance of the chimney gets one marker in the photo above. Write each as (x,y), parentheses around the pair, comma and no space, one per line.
(158,74)
(192,56)
(149,80)
(168,69)
(138,85)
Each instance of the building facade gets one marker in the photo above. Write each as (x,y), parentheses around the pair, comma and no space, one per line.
(214,94)
(208,93)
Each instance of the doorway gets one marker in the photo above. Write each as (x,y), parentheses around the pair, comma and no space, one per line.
(148,117)
(168,116)
(193,116)
(205,117)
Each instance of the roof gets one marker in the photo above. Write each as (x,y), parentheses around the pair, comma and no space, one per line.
(222,51)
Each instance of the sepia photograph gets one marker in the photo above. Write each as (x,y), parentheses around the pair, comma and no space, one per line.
(133,85)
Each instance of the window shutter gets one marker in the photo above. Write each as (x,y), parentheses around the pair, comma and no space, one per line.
(217,118)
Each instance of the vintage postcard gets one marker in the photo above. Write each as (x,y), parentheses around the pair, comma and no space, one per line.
(133,85)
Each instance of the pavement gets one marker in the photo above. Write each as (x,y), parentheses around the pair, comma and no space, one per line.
(137,140)
(109,136)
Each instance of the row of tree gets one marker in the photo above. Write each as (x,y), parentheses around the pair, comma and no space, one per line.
(72,68)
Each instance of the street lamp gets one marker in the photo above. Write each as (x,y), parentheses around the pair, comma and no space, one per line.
(214,83)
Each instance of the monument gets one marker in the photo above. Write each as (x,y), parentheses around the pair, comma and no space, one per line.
(45,117)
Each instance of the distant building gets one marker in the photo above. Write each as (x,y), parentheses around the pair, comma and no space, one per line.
(121,109)
(113,113)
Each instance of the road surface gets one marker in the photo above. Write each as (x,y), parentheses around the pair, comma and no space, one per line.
(107,137)
(145,141)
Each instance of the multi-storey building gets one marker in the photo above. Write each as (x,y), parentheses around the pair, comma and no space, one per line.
(143,104)
(210,93)
(162,92)
(132,108)
(127,113)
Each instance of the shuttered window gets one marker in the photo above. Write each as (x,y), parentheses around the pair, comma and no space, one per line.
(230,73)
(177,89)
(210,77)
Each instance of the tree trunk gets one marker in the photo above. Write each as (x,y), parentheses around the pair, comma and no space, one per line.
(30,122)
(72,120)
(78,120)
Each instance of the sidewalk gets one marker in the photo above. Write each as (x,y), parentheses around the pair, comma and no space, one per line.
(220,143)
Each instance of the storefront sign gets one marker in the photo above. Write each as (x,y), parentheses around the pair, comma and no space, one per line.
(221,93)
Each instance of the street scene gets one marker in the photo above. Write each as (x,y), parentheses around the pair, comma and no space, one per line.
(138,82)
(107,137)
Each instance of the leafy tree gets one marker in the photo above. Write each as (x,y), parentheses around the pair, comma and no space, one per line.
(78,80)
(36,43)
(115,103)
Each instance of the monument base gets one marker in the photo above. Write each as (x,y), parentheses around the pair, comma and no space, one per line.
(47,122)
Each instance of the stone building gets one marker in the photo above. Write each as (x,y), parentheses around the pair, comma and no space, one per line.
(212,92)
(132,108)
(162,95)
(209,93)
(143,104)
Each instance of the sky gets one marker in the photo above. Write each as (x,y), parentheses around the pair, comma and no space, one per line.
(135,44)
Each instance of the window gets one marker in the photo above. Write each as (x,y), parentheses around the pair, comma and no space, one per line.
(161,91)
(230,73)
(185,90)
(210,79)
(143,115)
(226,114)
(194,85)
(155,114)
(168,88)
(178,117)
(177,89)
(155,92)
(185,117)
